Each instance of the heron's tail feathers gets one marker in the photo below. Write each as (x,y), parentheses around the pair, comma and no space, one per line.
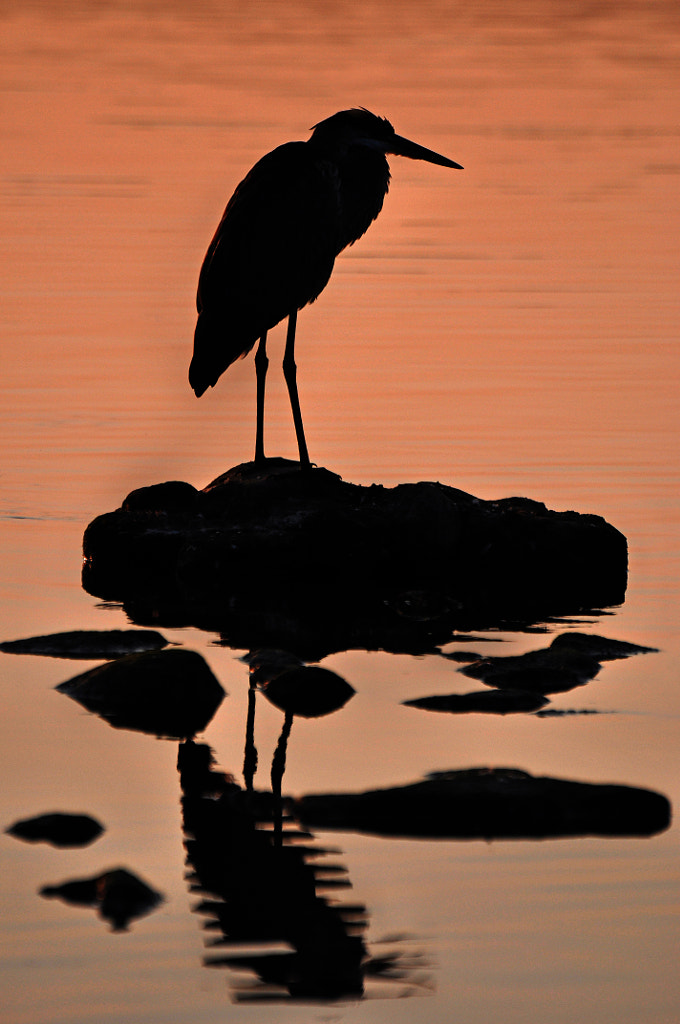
(215,349)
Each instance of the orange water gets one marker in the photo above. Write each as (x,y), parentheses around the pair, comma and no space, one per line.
(508,329)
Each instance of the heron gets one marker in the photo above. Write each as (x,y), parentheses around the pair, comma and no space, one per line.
(275,246)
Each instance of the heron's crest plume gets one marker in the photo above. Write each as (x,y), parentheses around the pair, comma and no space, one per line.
(354,126)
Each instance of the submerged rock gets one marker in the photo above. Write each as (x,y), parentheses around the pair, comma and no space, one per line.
(490,803)
(58,829)
(165,693)
(88,644)
(118,895)
(268,552)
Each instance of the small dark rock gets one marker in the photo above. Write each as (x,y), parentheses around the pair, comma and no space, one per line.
(88,644)
(58,829)
(118,895)
(308,691)
(173,496)
(165,693)
(495,702)
(572,660)
(552,670)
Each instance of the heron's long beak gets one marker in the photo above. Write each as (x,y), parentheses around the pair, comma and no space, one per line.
(404,147)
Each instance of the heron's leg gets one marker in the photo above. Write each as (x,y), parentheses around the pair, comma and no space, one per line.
(261,364)
(290,373)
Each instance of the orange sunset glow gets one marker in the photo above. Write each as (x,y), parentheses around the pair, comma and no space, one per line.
(508,330)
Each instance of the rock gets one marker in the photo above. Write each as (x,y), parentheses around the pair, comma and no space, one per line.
(599,647)
(272,556)
(118,895)
(308,691)
(88,644)
(546,671)
(165,693)
(495,702)
(571,660)
(490,803)
(58,829)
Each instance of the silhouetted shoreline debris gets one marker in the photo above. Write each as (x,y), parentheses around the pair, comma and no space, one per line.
(490,803)
(165,693)
(304,561)
(88,644)
(57,828)
(118,895)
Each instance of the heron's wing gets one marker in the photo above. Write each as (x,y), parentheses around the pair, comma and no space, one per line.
(273,252)
(275,245)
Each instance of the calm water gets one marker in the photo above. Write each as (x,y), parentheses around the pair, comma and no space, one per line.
(508,329)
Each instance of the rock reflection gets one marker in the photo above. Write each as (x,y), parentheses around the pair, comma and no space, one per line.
(165,693)
(118,896)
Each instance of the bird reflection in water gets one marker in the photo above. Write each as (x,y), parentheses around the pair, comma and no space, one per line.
(264,881)
(275,247)
(257,893)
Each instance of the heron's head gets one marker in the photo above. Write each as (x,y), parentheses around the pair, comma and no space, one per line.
(359,127)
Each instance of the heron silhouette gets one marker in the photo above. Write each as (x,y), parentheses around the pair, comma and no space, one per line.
(274,249)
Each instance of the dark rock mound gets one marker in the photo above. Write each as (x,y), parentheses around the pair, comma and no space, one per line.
(491,803)
(600,647)
(88,644)
(308,691)
(118,895)
(58,829)
(495,702)
(571,660)
(264,549)
(165,693)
